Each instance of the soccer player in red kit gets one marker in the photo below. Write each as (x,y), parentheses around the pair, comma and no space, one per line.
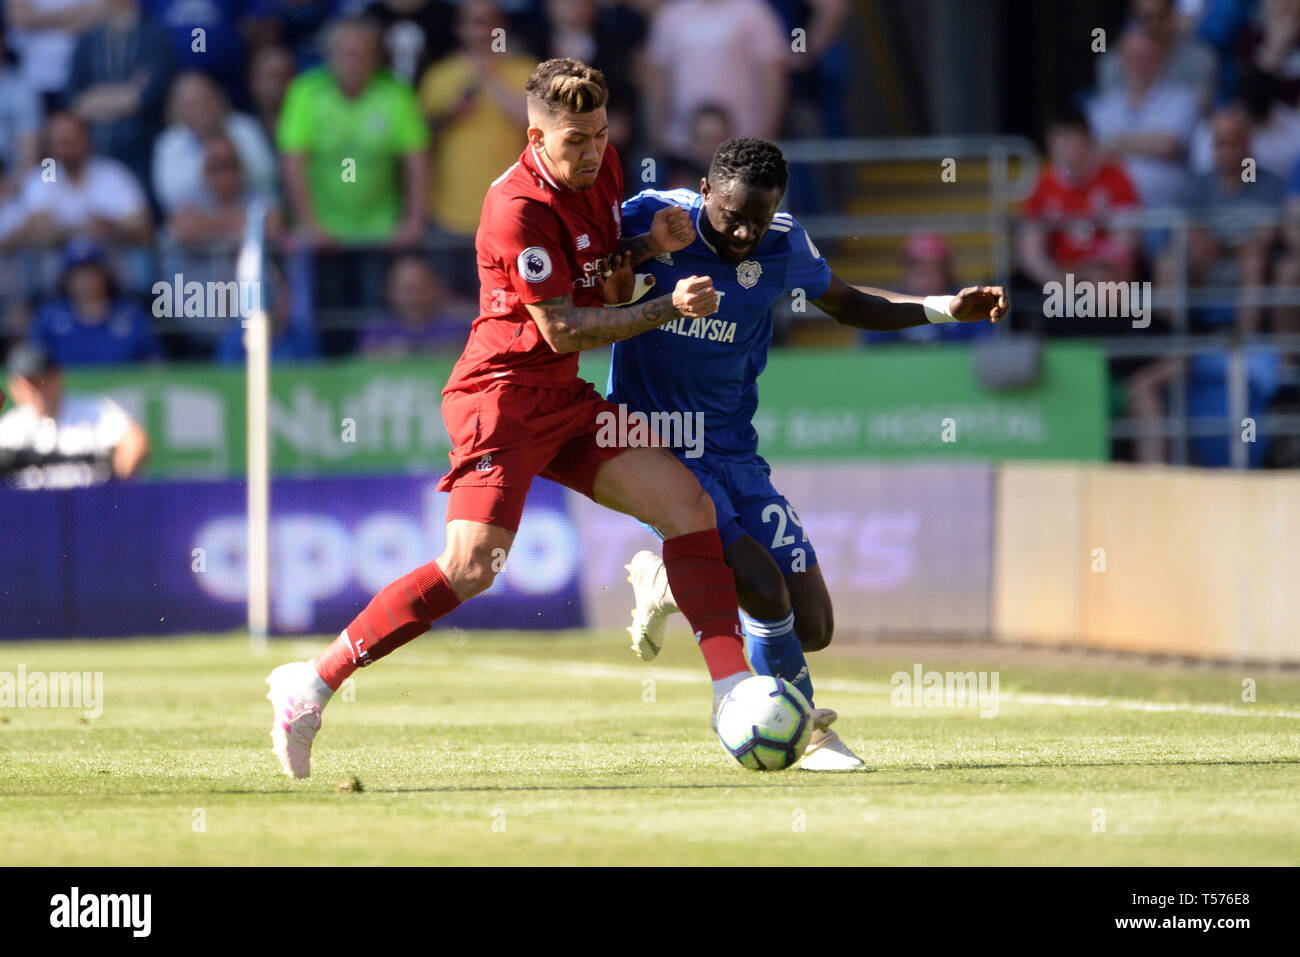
(549,255)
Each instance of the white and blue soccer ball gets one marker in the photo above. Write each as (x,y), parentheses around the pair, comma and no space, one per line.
(765,723)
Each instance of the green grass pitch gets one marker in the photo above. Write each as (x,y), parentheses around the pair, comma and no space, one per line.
(508,748)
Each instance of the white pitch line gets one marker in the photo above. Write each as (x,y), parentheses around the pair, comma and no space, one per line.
(585,669)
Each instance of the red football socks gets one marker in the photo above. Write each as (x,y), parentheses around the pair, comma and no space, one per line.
(705,591)
(403,610)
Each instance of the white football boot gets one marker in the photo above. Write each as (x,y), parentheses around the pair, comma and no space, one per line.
(654,603)
(297,696)
(826,751)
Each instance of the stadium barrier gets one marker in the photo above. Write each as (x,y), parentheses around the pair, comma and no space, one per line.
(172,557)
(373,416)
(904,549)
(1158,560)
(1162,561)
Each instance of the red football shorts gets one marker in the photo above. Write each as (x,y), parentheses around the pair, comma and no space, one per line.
(505,435)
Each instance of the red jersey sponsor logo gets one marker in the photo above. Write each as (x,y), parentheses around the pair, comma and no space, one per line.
(528,251)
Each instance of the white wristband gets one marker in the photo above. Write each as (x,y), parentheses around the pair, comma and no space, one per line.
(638,290)
(936,309)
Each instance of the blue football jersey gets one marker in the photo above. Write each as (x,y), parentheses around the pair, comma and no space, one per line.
(712,365)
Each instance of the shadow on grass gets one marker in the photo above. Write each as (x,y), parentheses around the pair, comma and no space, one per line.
(880,777)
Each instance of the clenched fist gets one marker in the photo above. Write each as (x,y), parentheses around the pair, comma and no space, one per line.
(695,297)
(975,303)
(672,229)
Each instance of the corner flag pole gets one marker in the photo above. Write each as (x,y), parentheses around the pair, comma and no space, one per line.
(250,268)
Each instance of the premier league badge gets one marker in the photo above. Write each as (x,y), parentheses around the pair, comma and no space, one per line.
(747,273)
(534,264)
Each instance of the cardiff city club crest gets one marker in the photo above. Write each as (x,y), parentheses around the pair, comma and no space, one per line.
(747,273)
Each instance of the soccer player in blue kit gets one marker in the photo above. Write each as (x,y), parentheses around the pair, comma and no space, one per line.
(753,254)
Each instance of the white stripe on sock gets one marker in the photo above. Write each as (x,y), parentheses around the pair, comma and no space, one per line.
(767,629)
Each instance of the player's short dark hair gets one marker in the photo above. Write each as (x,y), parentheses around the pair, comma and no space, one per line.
(751,161)
(564,85)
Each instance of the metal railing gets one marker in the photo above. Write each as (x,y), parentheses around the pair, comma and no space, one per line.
(997,222)
(997,152)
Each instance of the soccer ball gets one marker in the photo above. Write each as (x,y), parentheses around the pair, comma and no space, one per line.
(765,723)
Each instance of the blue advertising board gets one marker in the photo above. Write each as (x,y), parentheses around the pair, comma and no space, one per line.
(170,557)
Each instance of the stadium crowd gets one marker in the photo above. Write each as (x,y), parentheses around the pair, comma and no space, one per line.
(137,135)
(1196,108)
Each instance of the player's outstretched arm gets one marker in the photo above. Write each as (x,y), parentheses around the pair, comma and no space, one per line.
(880,310)
(570,328)
(670,230)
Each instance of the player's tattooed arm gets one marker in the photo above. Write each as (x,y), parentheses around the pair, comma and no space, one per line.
(638,248)
(670,230)
(880,310)
(570,328)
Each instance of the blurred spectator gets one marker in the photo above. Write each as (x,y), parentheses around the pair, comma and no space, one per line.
(1067,217)
(220,54)
(1185,60)
(80,194)
(1229,246)
(120,73)
(422,317)
(1277,48)
(818,60)
(20,122)
(218,210)
(296,24)
(207,231)
(1207,399)
(293,337)
(270,71)
(608,37)
(928,271)
(1287,318)
(44,34)
(1148,123)
(354,143)
(49,440)
(1274,125)
(1274,129)
(474,101)
(198,110)
(819,73)
(710,127)
(416,33)
(731,52)
(90,323)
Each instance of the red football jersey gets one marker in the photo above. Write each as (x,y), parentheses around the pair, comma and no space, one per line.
(537,240)
(1087,205)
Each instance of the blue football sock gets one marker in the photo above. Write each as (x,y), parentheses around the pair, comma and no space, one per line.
(774,649)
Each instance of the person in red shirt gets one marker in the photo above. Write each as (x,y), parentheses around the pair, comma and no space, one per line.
(1068,224)
(550,257)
